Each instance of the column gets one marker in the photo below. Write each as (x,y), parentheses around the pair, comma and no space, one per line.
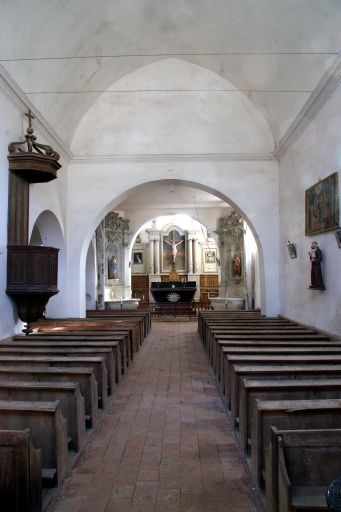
(157,255)
(151,256)
(190,255)
(195,256)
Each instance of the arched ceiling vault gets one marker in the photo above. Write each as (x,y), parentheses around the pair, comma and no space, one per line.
(65,55)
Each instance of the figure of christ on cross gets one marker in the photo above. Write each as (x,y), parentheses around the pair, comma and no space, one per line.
(173,245)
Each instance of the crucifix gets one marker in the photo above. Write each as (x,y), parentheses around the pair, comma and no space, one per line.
(30,116)
(173,245)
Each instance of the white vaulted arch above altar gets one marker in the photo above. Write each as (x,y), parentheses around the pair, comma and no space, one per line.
(172,107)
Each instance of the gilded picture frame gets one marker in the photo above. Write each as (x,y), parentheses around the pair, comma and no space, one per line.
(322,206)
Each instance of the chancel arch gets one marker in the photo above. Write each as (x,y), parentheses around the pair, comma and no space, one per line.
(136,255)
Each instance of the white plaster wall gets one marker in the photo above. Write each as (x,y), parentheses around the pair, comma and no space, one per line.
(10,127)
(316,154)
(94,189)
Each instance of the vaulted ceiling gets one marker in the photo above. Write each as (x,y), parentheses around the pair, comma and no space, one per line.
(170,76)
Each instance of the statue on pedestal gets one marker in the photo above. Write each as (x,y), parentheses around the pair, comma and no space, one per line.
(315,255)
(112,268)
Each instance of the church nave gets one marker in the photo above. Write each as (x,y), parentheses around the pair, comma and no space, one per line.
(165,444)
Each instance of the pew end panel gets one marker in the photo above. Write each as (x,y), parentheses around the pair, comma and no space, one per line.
(20,472)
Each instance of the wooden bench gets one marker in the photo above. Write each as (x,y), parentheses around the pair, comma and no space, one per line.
(71,351)
(288,415)
(273,348)
(293,346)
(300,465)
(67,393)
(122,341)
(84,376)
(48,431)
(145,315)
(124,336)
(278,390)
(104,326)
(226,334)
(272,360)
(20,472)
(266,372)
(95,363)
(220,328)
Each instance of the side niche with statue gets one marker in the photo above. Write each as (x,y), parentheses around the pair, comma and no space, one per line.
(231,232)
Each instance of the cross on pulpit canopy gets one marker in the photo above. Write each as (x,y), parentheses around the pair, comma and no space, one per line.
(30,116)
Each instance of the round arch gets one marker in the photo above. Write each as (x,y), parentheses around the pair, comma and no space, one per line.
(255,213)
(47,231)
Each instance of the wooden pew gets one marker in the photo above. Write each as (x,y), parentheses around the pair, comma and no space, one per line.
(145,315)
(278,390)
(84,347)
(300,465)
(225,333)
(133,328)
(273,348)
(295,345)
(71,351)
(84,376)
(48,431)
(219,328)
(266,372)
(20,472)
(67,393)
(121,344)
(288,415)
(205,316)
(124,336)
(95,363)
(217,336)
(272,360)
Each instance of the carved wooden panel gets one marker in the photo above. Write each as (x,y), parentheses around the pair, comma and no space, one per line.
(209,281)
(140,281)
(18,204)
(32,267)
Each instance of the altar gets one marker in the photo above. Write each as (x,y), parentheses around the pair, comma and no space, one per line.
(173,291)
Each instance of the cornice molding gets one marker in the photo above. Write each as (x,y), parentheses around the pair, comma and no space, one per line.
(199,157)
(318,98)
(17,97)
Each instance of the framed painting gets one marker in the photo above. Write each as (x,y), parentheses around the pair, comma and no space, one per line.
(138,258)
(210,256)
(322,206)
(210,260)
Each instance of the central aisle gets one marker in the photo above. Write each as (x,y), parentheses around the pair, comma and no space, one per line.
(166,442)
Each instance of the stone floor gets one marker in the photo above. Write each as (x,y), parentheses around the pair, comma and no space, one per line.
(165,444)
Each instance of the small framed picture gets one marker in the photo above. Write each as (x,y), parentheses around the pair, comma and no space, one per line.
(138,258)
(292,250)
(338,237)
(210,256)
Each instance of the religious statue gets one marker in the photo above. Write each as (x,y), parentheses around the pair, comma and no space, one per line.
(112,268)
(237,269)
(315,255)
(174,248)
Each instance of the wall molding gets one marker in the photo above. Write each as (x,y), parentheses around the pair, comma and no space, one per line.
(199,157)
(318,98)
(20,101)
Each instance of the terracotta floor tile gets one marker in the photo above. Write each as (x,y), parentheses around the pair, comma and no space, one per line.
(166,442)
